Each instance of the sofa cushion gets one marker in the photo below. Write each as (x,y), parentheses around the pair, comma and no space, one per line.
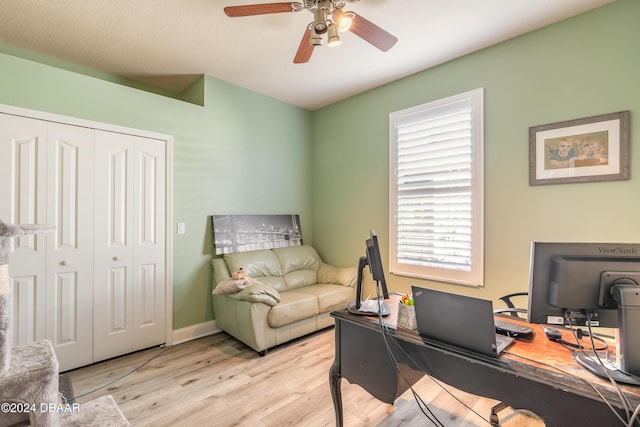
(300,278)
(262,265)
(299,265)
(330,296)
(298,258)
(276,282)
(293,306)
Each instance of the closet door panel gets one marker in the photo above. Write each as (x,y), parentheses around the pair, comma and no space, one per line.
(113,275)
(28,324)
(23,153)
(70,248)
(149,243)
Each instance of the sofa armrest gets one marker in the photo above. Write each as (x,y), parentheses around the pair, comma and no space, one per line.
(220,271)
(345,276)
(257,293)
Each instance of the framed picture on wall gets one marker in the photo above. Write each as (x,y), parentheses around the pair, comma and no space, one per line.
(581,150)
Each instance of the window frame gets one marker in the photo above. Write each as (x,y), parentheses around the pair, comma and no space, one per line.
(475,276)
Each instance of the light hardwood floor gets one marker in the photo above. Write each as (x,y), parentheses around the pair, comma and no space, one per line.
(218,381)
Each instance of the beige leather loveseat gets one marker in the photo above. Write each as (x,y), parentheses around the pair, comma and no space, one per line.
(292,294)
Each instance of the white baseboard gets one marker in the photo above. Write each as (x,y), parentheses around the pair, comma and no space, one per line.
(194,331)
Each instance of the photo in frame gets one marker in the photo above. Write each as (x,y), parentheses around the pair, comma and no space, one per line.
(583,150)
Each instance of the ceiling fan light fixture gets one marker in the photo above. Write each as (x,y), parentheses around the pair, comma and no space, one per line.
(316,39)
(345,21)
(333,37)
(320,21)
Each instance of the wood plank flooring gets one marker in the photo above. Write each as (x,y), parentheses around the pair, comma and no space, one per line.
(218,381)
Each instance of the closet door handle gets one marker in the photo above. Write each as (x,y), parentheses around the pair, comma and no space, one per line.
(63,262)
(116,258)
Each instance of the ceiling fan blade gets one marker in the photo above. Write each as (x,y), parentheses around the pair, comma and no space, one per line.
(305,49)
(259,9)
(371,33)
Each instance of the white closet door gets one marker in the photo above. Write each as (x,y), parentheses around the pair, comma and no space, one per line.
(70,247)
(113,283)
(149,242)
(130,244)
(23,186)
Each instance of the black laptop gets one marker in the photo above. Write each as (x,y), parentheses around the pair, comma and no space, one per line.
(463,321)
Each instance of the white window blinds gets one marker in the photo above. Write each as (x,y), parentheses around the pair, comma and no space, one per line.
(436,185)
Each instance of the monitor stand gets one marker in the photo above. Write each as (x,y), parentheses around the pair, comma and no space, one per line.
(369,307)
(590,361)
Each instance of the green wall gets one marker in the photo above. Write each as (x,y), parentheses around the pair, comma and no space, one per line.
(239,153)
(244,153)
(584,66)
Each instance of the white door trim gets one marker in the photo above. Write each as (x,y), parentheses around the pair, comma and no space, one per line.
(168,139)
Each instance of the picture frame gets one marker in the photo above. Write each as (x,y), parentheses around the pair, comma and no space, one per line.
(590,149)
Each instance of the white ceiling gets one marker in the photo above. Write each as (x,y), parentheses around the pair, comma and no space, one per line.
(171,42)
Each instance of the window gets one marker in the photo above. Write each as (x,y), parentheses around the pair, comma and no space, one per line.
(436,185)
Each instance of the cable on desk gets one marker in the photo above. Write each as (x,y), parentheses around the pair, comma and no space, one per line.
(438,382)
(621,395)
(634,417)
(385,331)
(578,347)
(574,376)
(623,398)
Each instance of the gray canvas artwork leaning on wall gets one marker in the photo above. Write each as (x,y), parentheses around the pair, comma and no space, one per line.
(241,233)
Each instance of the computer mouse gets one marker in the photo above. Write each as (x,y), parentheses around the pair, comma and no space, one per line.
(553,334)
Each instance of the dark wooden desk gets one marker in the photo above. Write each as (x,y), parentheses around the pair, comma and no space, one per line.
(560,399)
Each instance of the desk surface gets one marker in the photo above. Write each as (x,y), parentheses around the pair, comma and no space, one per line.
(528,366)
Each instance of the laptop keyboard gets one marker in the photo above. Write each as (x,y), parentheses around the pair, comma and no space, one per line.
(502,342)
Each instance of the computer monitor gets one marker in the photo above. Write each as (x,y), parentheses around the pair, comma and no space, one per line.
(589,284)
(374,261)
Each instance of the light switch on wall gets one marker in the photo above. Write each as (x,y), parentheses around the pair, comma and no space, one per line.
(181,228)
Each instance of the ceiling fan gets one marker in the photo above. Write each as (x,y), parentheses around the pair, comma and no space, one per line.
(328,18)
